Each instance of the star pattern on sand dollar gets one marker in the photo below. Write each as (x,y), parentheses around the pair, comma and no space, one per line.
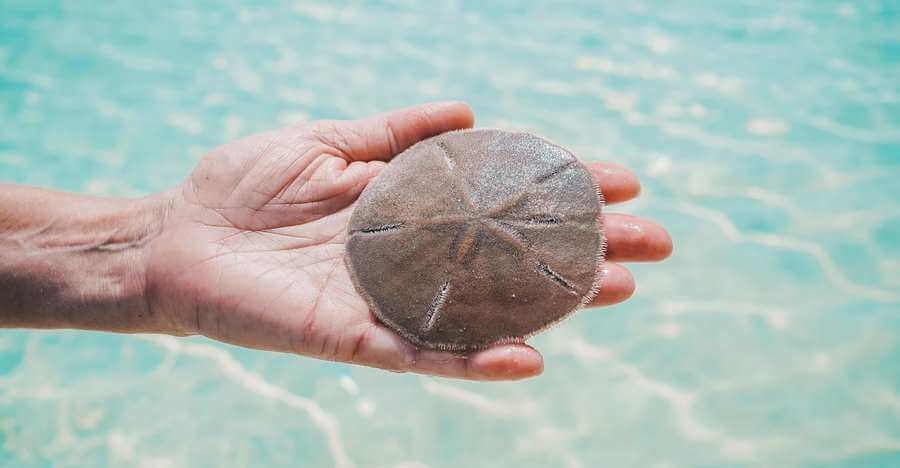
(476,222)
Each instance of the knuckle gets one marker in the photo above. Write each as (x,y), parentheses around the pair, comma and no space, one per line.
(359,344)
(391,136)
(333,134)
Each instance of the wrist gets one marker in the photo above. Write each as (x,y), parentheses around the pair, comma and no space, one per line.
(69,261)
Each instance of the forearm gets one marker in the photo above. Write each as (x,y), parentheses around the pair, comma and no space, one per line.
(71,261)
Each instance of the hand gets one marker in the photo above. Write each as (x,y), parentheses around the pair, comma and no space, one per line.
(251,251)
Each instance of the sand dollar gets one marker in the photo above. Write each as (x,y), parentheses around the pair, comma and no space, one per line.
(477,237)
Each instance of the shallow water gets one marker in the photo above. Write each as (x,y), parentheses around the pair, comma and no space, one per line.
(767,134)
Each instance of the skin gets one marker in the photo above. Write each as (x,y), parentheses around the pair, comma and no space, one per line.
(249,250)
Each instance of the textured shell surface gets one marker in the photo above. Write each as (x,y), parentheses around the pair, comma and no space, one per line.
(477,237)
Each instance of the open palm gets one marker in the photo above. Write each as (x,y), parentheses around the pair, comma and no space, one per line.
(253,245)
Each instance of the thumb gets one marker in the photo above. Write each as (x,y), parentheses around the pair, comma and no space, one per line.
(383,136)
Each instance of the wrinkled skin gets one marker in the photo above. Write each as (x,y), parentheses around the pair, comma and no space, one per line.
(251,249)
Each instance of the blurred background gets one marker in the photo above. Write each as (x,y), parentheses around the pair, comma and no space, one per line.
(767,135)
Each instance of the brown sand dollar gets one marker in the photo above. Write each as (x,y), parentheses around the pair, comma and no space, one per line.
(477,237)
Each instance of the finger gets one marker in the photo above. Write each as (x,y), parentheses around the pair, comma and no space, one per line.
(616,285)
(501,362)
(634,239)
(383,136)
(617,183)
(378,346)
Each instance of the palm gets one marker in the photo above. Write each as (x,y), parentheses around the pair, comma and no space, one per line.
(255,245)
(266,218)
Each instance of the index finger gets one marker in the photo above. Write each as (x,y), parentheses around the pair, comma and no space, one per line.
(617,183)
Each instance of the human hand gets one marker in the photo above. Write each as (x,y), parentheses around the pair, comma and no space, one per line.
(251,249)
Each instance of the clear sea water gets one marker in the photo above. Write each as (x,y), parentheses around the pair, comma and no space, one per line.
(767,135)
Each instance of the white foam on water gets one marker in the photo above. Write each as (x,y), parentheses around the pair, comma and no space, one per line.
(255,383)
(660,44)
(680,401)
(475,400)
(828,265)
(775,317)
(768,127)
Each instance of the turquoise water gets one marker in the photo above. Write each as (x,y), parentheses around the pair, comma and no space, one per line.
(767,135)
